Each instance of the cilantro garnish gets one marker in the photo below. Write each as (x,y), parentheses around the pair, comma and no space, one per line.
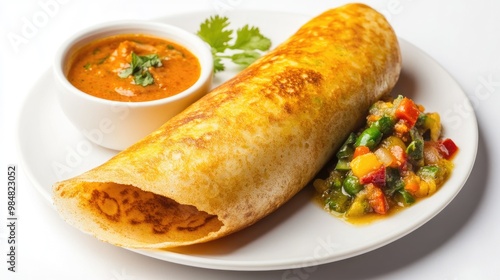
(139,68)
(245,49)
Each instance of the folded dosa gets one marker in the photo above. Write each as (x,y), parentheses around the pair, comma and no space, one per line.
(245,148)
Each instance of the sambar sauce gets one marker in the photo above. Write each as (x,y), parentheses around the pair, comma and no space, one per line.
(95,68)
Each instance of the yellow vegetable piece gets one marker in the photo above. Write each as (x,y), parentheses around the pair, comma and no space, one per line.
(412,182)
(432,186)
(433,123)
(423,189)
(427,188)
(364,164)
(393,141)
(359,206)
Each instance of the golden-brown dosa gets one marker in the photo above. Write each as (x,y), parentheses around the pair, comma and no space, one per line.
(248,146)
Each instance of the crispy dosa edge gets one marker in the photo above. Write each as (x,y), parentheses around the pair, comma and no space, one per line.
(118,203)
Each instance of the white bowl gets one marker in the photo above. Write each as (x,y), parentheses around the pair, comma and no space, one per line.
(115,124)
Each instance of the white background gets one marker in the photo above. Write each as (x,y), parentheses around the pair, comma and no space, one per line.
(462,242)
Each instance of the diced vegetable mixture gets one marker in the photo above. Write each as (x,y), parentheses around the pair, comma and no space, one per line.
(398,157)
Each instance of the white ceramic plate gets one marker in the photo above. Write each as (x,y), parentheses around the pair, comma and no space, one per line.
(298,234)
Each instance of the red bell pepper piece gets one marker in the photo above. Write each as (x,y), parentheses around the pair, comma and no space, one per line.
(447,148)
(376,177)
(408,111)
(376,199)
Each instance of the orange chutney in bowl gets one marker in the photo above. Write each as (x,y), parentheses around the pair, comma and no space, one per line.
(133,68)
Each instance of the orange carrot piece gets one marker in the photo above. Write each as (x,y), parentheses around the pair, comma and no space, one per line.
(360,150)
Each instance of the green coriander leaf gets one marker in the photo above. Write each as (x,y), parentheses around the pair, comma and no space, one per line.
(132,68)
(213,32)
(243,52)
(151,60)
(136,62)
(250,38)
(143,78)
(125,72)
(218,65)
(139,68)
(245,58)
(102,60)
